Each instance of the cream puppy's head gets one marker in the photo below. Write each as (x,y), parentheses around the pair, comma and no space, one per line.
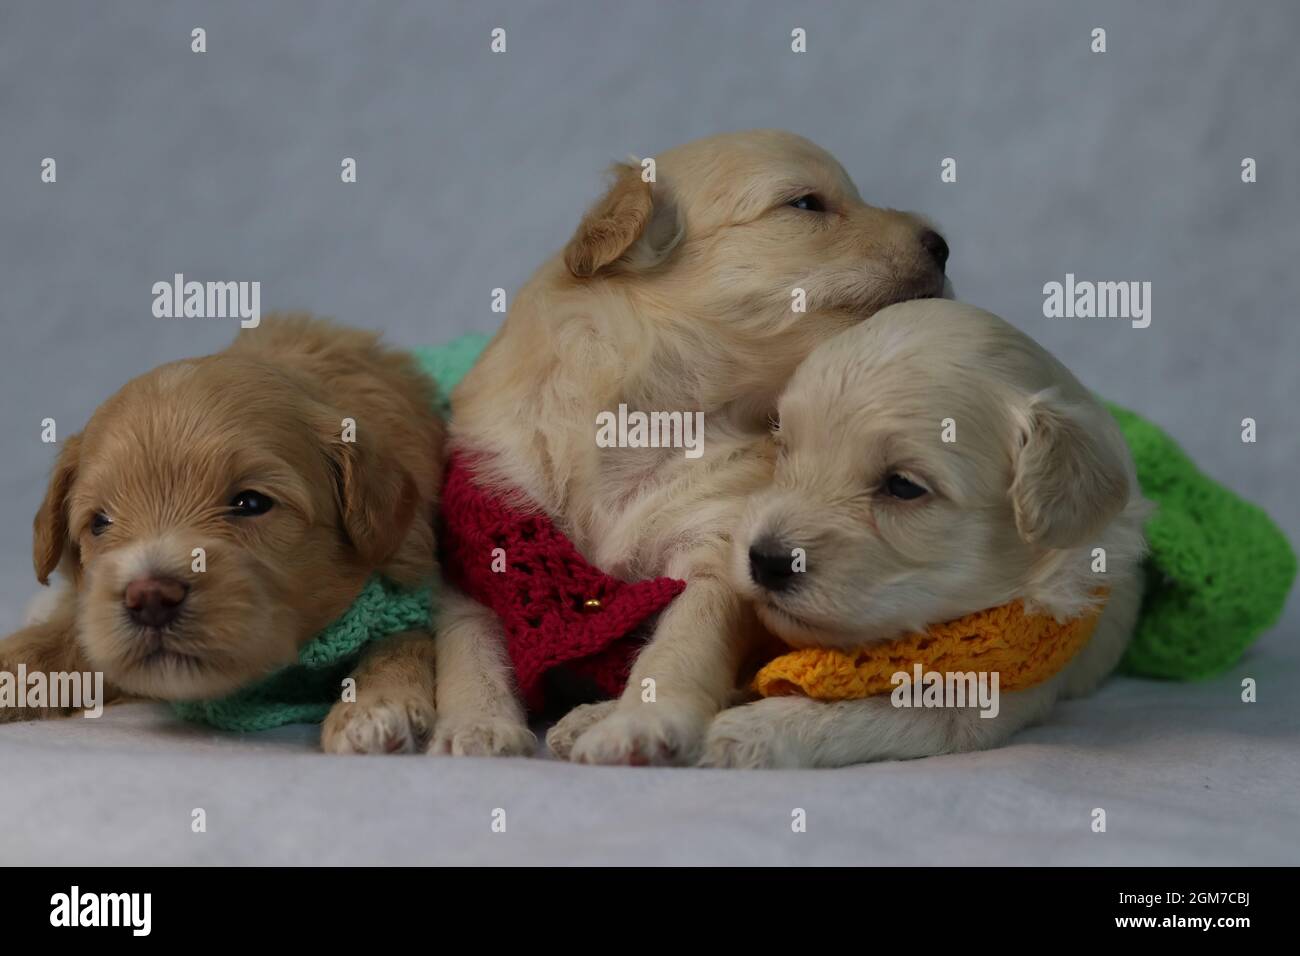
(934,462)
(211,519)
(746,251)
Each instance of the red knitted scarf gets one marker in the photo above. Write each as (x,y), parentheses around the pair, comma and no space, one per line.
(556,609)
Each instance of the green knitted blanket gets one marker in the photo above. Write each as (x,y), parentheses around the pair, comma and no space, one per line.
(1219,569)
(1217,577)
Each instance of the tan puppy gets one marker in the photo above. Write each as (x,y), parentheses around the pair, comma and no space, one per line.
(243,454)
(902,529)
(698,293)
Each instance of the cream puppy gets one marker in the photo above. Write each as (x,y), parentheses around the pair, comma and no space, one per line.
(902,529)
(699,292)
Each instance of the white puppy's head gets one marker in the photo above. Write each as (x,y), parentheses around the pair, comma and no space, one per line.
(933,462)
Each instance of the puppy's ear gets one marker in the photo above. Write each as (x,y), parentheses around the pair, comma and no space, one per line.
(1071,474)
(633,224)
(50,529)
(376,496)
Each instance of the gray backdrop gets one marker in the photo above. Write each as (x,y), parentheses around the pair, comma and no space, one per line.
(474,166)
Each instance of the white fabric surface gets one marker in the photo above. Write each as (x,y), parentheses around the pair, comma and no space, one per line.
(1187,774)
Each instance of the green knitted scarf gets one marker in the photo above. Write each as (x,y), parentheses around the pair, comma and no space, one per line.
(1217,577)
(305,691)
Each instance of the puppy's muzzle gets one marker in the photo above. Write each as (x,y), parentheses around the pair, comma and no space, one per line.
(154,601)
(772,566)
(936,246)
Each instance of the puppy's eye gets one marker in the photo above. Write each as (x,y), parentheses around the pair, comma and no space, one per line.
(99,524)
(809,203)
(248,504)
(896,486)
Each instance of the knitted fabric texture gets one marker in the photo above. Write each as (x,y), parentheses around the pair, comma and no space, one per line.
(1217,577)
(305,691)
(556,609)
(1023,649)
(1217,574)
(1219,569)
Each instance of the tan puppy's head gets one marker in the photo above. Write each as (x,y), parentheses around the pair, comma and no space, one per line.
(211,521)
(934,462)
(752,247)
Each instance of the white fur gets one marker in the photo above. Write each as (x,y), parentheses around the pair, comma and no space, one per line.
(1037,459)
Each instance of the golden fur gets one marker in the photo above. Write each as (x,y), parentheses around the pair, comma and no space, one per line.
(676,295)
(162,459)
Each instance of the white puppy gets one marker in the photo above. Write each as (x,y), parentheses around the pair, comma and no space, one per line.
(902,528)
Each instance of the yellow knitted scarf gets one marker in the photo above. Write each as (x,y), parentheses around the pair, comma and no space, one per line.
(1024,649)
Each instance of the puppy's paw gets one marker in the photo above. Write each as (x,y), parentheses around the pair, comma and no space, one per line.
(651,735)
(742,737)
(385,725)
(561,738)
(15,715)
(482,737)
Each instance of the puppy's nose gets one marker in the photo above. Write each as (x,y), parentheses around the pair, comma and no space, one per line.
(154,602)
(771,568)
(936,246)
